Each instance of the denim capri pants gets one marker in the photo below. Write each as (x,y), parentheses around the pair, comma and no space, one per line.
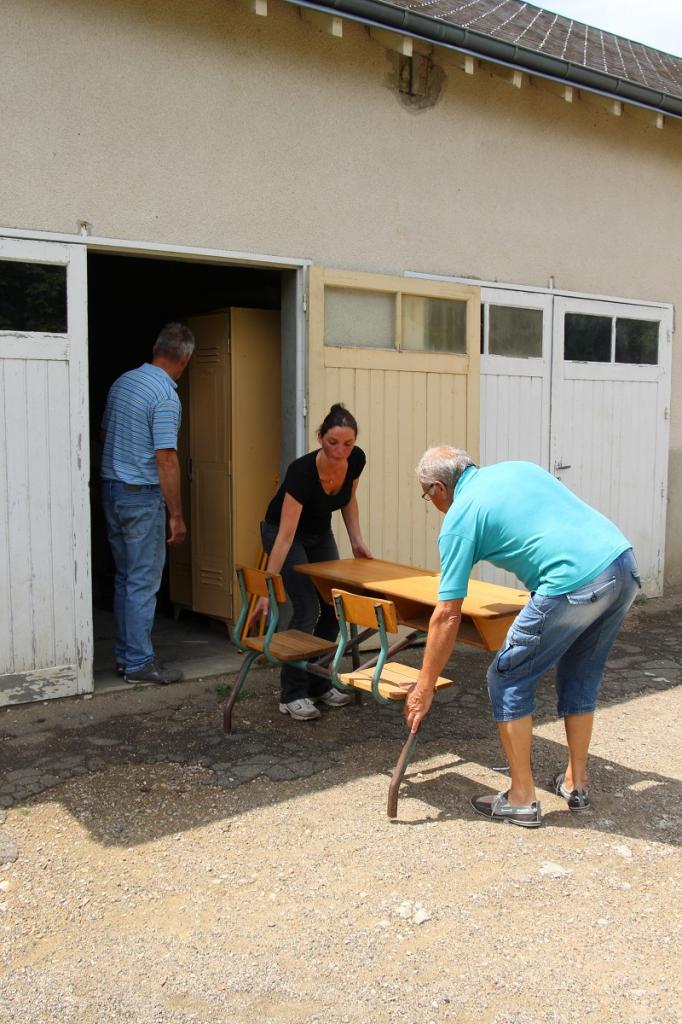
(574,632)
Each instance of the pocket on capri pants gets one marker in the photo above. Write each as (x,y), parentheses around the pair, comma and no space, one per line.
(522,640)
(590,594)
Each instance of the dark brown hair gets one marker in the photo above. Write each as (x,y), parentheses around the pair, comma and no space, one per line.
(338,416)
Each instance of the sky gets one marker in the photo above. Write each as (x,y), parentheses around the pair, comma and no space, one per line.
(657,22)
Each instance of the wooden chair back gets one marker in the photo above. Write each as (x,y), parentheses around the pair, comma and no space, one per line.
(256,582)
(362,611)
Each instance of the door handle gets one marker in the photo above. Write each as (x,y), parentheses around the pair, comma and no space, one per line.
(558,466)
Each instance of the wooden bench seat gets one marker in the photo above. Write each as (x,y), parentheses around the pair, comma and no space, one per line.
(387,681)
(292,645)
(395,681)
(287,647)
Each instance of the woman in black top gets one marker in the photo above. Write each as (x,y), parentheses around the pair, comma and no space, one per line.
(297,528)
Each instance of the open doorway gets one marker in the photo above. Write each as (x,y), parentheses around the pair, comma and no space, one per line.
(129,299)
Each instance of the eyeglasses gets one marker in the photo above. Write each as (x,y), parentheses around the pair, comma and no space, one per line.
(426,496)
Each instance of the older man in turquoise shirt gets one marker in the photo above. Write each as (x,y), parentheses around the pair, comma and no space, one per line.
(582,576)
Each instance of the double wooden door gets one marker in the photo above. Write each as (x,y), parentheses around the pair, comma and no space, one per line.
(581,386)
(229,448)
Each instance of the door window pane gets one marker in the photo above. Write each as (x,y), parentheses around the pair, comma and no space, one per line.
(358,318)
(637,341)
(433,325)
(587,338)
(32,297)
(513,331)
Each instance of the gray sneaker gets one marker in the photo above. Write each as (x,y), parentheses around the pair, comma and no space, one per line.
(496,807)
(153,672)
(334,698)
(303,710)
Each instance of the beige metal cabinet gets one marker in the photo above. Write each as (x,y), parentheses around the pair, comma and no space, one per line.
(229,448)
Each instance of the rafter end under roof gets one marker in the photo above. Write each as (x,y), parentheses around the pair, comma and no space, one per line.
(392,41)
(259,7)
(325,22)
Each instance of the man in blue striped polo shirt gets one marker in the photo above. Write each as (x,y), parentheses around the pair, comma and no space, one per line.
(140,482)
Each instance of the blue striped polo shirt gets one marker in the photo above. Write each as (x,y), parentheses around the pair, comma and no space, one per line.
(142,414)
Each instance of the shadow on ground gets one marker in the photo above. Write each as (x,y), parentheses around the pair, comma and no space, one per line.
(270,758)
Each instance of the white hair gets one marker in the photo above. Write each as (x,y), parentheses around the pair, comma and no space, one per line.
(443,463)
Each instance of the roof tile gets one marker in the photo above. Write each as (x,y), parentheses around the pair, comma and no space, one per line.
(532,27)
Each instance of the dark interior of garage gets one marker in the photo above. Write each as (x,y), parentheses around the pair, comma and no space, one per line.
(129,299)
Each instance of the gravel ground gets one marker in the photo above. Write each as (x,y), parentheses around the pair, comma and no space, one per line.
(153,871)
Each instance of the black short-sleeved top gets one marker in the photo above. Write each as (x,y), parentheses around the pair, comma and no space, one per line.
(302,482)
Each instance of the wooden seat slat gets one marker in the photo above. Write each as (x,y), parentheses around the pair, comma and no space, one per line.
(292,645)
(396,680)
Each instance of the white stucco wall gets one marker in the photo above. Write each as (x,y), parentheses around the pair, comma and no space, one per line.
(202,124)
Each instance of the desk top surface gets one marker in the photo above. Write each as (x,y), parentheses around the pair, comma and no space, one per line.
(361,571)
(392,580)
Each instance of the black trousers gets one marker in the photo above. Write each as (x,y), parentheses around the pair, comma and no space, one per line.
(310,614)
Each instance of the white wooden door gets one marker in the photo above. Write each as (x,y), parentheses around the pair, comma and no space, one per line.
(609,417)
(582,388)
(45,591)
(516,348)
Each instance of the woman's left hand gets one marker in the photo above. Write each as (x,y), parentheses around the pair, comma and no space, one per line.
(361,551)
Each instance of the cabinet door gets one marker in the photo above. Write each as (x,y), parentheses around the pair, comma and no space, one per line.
(180,556)
(229,450)
(256,413)
(209,427)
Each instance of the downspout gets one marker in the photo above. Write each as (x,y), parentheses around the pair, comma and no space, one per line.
(378,14)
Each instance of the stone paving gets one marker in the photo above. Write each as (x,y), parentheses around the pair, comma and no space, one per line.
(44,745)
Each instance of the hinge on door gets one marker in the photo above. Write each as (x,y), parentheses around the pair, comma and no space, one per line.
(305,304)
(305,409)
(665,413)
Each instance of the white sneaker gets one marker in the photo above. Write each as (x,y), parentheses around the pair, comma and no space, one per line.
(335,698)
(302,709)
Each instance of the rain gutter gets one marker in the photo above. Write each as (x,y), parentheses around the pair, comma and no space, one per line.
(378,14)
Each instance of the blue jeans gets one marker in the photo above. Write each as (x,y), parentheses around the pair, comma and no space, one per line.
(574,632)
(136,525)
(310,614)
